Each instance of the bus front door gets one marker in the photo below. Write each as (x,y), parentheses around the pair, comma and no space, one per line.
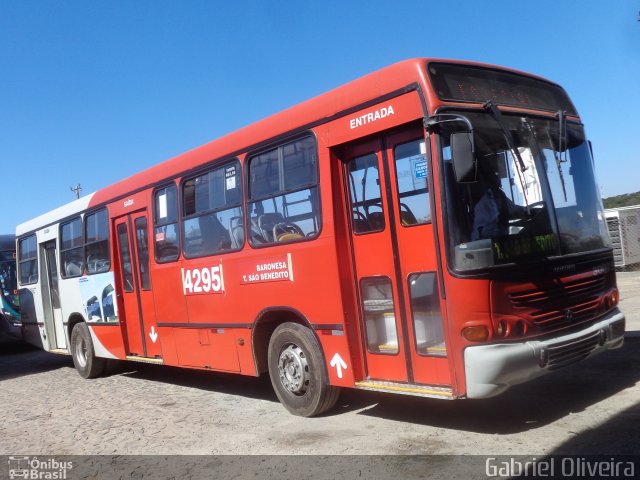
(394,257)
(134,290)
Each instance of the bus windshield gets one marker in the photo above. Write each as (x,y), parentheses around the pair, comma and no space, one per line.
(8,284)
(534,196)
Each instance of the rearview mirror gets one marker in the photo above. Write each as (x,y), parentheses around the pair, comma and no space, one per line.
(464,157)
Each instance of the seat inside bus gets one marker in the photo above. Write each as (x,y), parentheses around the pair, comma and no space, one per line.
(266,224)
(73,268)
(236,232)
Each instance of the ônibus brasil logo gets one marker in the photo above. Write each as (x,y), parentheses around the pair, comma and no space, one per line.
(38,469)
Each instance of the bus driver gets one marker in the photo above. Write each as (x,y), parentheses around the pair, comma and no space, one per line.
(493,211)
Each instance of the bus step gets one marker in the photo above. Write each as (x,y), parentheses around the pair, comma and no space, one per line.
(59,351)
(157,361)
(431,391)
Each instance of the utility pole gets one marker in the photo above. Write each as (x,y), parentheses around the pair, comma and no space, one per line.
(76,189)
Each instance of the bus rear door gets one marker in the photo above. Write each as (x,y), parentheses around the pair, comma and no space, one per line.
(135,293)
(394,258)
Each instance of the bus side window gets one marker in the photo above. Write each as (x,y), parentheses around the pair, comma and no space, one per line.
(71,249)
(28,260)
(97,242)
(165,232)
(212,212)
(283,194)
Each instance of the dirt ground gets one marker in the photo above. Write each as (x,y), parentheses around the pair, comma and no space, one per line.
(589,408)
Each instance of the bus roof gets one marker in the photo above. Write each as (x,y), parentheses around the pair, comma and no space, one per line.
(64,211)
(390,79)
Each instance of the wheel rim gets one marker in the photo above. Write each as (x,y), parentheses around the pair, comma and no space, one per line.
(294,370)
(81,351)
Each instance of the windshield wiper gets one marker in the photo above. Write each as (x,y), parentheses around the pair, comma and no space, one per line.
(562,135)
(562,146)
(491,107)
(537,151)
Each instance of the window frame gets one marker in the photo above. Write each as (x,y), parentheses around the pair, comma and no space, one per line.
(86,243)
(413,310)
(396,320)
(156,223)
(20,261)
(423,191)
(250,200)
(131,285)
(183,217)
(63,273)
(384,203)
(145,278)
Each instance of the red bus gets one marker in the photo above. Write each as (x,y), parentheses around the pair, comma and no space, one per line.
(431,229)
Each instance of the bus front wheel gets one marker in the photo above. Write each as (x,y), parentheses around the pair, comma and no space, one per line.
(298,373)
(84,358)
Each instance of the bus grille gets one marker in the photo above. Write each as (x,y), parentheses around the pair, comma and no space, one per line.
(573,351)
(560,305)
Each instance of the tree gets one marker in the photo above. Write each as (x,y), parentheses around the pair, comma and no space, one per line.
(625,200)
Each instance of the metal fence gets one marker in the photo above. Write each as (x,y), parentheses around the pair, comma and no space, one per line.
(624,231)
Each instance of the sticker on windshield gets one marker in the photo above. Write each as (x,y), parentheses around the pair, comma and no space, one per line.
(420,168)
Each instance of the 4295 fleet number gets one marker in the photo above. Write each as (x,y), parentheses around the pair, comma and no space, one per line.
(203,280)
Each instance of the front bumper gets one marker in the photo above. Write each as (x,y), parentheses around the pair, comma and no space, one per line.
(492,369)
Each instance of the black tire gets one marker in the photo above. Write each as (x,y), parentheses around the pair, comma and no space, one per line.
(298,372)
(84,358)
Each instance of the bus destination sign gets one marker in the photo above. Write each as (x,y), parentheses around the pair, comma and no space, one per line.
(465,83)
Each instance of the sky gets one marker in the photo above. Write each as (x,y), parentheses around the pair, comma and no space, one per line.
(92,92)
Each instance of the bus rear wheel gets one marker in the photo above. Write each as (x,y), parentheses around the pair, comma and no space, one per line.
(298,373)
(84,358)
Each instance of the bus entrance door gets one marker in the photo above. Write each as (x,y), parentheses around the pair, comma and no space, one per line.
(51,298)
(395,260)
(136,296)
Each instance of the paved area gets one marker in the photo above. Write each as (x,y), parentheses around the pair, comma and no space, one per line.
(588,408)
(48,409)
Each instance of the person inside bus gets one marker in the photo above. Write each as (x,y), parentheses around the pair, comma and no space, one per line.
(493,211)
